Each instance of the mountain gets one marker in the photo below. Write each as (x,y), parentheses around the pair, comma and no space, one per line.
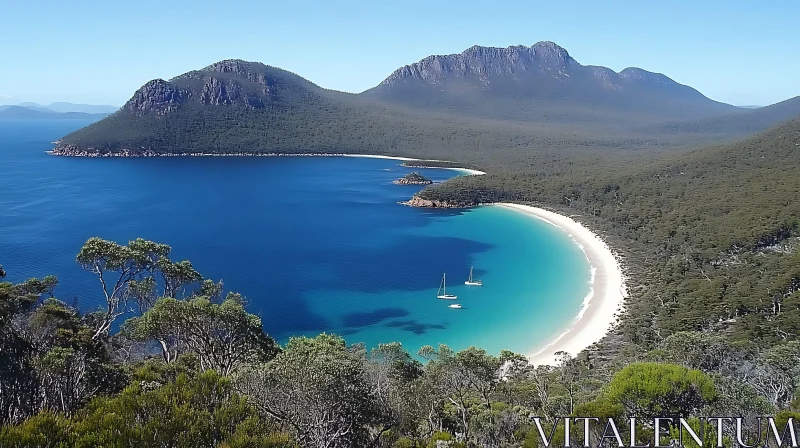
(19,112)
(542,82)
(235,106)
(71,107)
(33,106)
(734,125)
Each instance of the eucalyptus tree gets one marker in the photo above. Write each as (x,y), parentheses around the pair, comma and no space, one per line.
(318,389)
(223,336)
(394,379)
(130,270)
(48,360)
(777,374)
(465,379)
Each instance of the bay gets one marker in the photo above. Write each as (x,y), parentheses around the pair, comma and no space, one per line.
(315,244)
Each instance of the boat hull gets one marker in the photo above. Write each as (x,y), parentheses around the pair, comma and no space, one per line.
(447,297)
(473,283)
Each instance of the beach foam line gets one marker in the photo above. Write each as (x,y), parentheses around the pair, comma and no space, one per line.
(607,292)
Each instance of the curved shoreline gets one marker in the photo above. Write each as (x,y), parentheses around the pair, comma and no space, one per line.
(466,171)
(202,154)
(607,293)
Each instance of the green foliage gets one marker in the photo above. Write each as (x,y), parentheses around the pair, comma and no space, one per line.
(705,431)
(318,387)
(223,336)
(649,390)
(129,272)
(198,412)
(48,359)
(45,430)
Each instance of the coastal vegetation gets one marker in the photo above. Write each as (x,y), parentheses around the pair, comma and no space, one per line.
(195,369)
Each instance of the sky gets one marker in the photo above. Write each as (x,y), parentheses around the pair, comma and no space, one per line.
(99,52)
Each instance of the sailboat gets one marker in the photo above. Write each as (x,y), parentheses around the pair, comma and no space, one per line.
(472,282)
(442,292)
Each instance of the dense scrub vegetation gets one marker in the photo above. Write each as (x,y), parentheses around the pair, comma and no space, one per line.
(199,371)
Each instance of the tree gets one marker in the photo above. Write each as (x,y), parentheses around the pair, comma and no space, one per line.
(118,267)
(569,370)
(649,390)
(48,360)
(777,375)
(391,373)
(223,336)
(463,379)
(187,413)
(696,350)
(317,387)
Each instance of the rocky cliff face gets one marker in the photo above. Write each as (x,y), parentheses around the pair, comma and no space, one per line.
(542,60)
(540,83)
(157,96)
(226,83)
(485,62)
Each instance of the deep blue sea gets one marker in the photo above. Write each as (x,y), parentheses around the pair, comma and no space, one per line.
(315,244)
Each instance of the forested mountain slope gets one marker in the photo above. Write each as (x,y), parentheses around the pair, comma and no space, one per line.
(236,107)
(733,125)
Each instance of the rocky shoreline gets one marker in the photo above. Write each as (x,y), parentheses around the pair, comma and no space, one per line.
(74,151)
(419,202)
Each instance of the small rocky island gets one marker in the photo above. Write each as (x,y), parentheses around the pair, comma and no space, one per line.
(413,179)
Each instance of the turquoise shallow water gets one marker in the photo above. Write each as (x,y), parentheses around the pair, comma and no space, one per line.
(535,279)
(314,243)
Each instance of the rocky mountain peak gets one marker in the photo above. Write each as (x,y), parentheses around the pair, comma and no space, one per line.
(547,50)
(231,66)
(484,62)
(157,96)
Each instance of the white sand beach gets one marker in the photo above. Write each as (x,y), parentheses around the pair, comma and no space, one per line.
(407,159)
(601,306)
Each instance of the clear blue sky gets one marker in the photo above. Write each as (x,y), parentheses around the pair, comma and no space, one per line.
(741,52)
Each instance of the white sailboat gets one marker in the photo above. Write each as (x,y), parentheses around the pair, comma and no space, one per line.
(455,305)
(442,292)
(472,282)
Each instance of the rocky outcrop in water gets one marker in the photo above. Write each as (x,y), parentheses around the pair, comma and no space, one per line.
(413,179)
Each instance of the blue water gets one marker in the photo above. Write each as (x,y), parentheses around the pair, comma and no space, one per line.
(314,243)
